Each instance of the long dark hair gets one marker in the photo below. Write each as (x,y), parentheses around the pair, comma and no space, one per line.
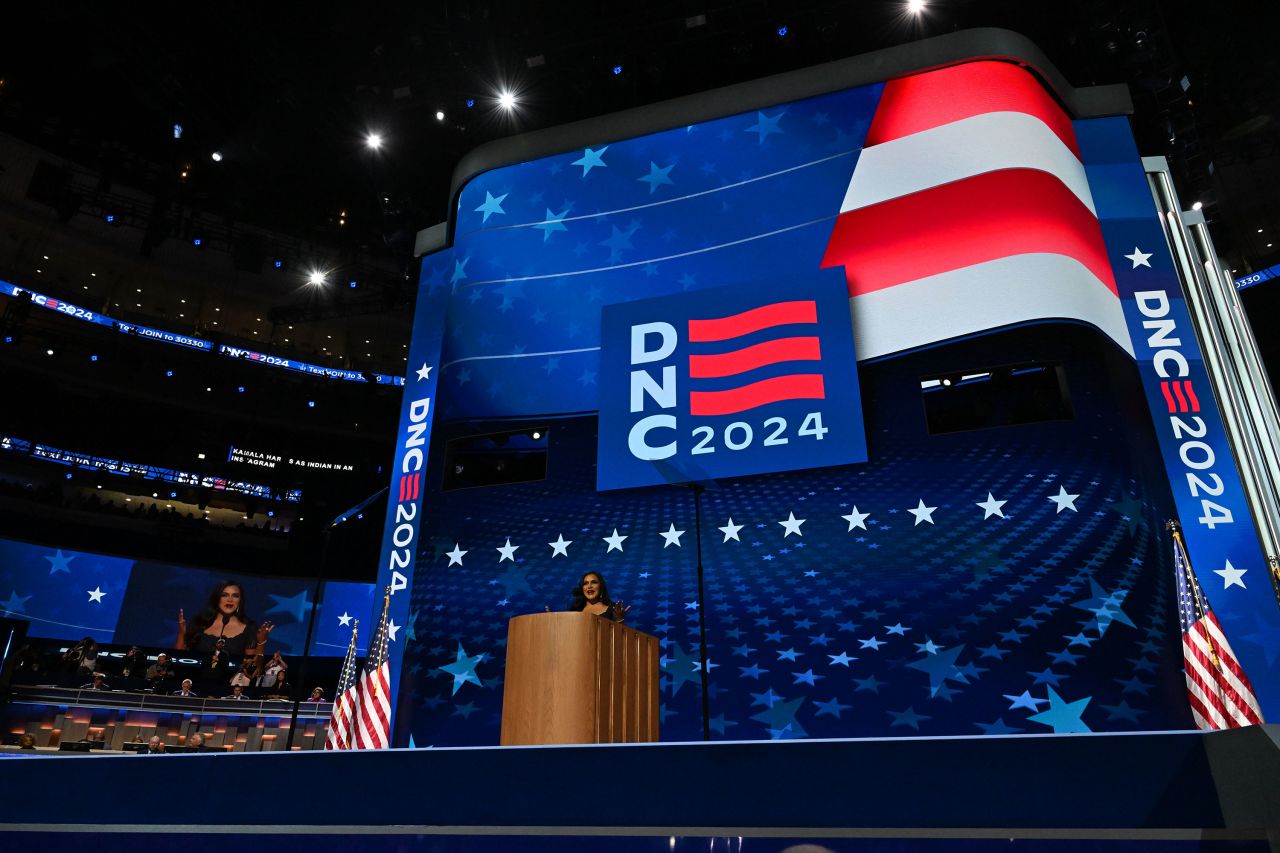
(580,600)
(211,610)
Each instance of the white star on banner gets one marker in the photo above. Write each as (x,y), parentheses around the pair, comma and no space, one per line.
(455,556)
(344,619)
(792,525)
(392,628)
(507,551)
(560,547)
(730,531)
(1140,258)
(96,594)
(423,371)
(615,541)
(991,507)
(1064,500)
(857,519)
(922,513)
(671,536)
(1231,576)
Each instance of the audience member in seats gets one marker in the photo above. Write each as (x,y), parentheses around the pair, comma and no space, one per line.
(27,741)
(160,671)
(223,617)
(134,663)
(155,746)
(317,695)
(237,692)
(273,673)
(242,678)
(216,663)
(99,683)
(82,658)
(196,740)
(591,595)
(185,691)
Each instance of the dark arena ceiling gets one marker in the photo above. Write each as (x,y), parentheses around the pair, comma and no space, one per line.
(287,92)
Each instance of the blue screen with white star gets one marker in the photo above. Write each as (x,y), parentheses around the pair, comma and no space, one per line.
(66,594)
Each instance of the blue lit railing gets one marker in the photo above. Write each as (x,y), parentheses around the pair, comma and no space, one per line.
(1257,277)
(189,342)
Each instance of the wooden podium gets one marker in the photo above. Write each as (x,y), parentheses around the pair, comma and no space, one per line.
(576,678)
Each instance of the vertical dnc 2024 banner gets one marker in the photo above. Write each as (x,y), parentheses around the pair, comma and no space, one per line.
(727,382)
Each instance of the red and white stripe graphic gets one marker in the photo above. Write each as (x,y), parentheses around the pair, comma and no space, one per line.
(340,732)
(969,210)
(1220,693)
(751,395)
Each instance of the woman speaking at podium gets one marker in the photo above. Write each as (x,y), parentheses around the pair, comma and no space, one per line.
(591,595)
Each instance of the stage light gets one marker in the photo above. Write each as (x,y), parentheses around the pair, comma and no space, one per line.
(782,31)
(199,455)
(68,476)
(197,242)
(8,339)
(316,278)
(311,404)
(217,156)
(439,115)
(48,352)
(173,494)
(353,285)
(177,131)
(536,435)
(617,69)
(169,373)
(93,358)
(1197,205)
(915,7)
(506,100)
(240,389)
(111,217)
(279,264)
(471,102)
(373,141)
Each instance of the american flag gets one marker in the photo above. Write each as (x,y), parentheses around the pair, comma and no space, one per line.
(1219,691)
(344,703)
(970,193)
(372,723)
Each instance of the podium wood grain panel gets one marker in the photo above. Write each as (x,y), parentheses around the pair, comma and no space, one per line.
(575,678)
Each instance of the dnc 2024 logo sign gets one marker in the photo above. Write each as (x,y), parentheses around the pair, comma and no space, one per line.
(727,382)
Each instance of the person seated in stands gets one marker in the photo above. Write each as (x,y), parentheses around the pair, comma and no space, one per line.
(99,683)
(237,692)
(160,671)
(216,663)
(591,595)
(196,741)
(273,673)
(134,663)
(243,677)
(317,695)
(27,741)
(155,746)
(185,692)
(223,618)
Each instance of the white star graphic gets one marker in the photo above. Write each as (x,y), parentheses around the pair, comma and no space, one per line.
(96,594)
(560,547)
(857,519)
(1064,500)
(392,627)
(344,619)
(671,536)
(507,551)
(455,556)
(424,371)
(792,525)
(730,531)
(991,507)
(615,541)
(1140,258)
(922,513)
(1231,576)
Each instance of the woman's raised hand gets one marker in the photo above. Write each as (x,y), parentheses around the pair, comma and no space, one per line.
(182,622)
(264,630)
(620,611)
